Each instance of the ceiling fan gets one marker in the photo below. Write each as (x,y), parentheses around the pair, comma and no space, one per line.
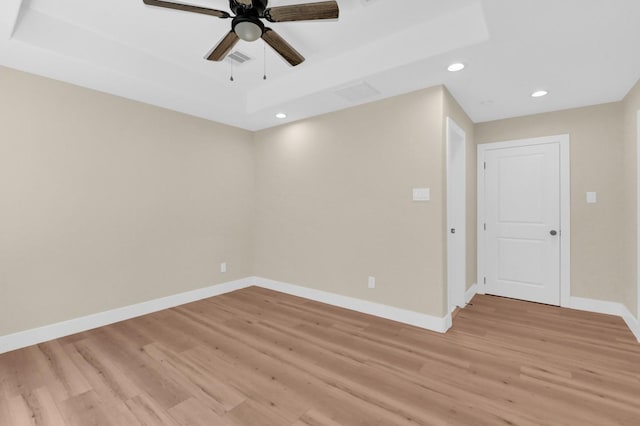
(247,25)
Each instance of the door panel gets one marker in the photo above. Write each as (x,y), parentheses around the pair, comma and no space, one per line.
(522,193)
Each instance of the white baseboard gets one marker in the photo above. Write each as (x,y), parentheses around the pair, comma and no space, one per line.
(473,290)
(65,328)
(438,324)
(589,305)
(609,308)
(593,305)
(632,322)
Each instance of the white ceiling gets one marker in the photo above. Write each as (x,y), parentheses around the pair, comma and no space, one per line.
(583,52)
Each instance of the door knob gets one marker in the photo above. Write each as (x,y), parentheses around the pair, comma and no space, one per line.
(453,230)
(554,232)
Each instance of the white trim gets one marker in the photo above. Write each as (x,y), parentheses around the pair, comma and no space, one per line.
(565,219)
(594,305)
(608,308)
(638,218)
(34,336)
(632,322)
(65,328)
(440,325)
(480,278)
(565,207)
(456,207)
(473,290)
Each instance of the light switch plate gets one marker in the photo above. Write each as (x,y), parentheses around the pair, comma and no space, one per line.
(592,197)
(421,194)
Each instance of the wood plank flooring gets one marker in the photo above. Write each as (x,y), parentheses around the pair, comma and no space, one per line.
(257,357)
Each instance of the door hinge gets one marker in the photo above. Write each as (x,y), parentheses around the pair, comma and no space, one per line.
(485,226)
(485,165)
(485,280)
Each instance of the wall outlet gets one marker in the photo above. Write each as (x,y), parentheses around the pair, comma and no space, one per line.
(372,282)
(223,267)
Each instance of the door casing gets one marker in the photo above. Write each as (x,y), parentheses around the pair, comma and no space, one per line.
(638,216)
(563,142)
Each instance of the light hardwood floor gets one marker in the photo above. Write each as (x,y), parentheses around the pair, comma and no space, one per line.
(257,357)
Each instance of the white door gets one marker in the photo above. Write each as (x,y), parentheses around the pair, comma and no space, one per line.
(522,217)
(456,214)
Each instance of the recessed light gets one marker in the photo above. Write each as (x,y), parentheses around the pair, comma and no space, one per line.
(281,115)
(539,94)
(456,67)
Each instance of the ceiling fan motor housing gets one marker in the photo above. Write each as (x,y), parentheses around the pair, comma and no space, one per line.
(254,7)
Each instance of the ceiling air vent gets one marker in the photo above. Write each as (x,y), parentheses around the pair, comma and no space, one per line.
(238,58)
(357,92)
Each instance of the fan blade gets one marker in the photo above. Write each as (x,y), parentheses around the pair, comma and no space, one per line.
(226,44)
(187,8)
(303,12)
(283,48)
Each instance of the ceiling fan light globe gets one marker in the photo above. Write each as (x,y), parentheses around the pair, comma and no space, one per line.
(248,31)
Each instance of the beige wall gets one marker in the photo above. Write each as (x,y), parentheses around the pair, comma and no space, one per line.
(452,109)
(334,202)
(631,105)
(598,231)
(105,202)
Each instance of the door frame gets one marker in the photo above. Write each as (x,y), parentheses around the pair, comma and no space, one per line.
(563,141)
(456,213)
(638,215)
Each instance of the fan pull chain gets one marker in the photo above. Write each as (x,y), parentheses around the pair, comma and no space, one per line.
(264,45)
(231,79)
